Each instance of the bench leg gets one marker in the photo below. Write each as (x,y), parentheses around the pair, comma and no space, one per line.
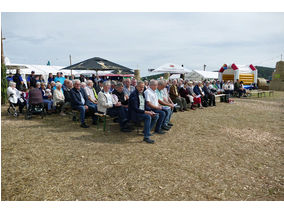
(104,123)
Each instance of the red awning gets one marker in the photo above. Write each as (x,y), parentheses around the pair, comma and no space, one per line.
(119,75)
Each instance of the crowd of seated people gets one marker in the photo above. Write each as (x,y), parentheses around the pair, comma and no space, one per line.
(129,100)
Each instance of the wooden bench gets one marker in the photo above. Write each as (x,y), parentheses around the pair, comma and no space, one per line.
(258,92)
(104,117)
(220,95)
(270,92)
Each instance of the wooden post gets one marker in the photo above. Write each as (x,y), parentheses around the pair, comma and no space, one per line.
(2,50)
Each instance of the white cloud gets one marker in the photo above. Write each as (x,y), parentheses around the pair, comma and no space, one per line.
(146,39)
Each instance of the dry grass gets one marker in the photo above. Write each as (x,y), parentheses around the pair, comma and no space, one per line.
(230,152)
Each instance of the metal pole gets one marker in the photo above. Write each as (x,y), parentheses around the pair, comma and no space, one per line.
(70,63)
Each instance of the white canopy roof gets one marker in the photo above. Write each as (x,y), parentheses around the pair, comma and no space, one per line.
(172,68)
(201,75)
(175,76)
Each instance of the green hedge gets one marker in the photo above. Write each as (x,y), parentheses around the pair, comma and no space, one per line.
(4,85)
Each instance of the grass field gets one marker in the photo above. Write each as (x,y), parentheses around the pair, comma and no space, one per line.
(228,152)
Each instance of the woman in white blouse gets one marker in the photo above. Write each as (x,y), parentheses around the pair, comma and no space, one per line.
(58,98)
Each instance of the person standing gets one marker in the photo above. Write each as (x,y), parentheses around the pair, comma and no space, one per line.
(17,78)
(31,80)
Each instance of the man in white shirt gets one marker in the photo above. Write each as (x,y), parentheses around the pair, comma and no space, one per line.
(162,99)
(153,103)
(139,111)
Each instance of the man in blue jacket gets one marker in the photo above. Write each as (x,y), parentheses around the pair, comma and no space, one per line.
(138,111)
(210,97)
(79,101)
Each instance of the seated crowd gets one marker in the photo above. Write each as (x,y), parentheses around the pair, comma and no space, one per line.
(152,102)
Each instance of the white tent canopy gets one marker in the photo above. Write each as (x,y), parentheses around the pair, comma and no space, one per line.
(175,76)
(198,75)
(45,70)
(172,68)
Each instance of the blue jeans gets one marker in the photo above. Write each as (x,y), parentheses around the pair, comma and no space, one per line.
(49,103)
(92,108)
(168,115)
(161,120)
(121,112)
(149,123)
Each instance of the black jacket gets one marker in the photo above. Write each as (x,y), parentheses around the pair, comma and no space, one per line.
(76,98)
(67,94)
(120,96)
(134,103)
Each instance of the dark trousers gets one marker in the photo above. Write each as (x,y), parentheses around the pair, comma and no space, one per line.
(21,105)
(121,112)
(181,102)
(211,99)
(241,92)
(161,120)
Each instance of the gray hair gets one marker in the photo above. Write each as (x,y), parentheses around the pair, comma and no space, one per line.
(106,83)
(140,82)
(77,81)
(119,84)
(161,82)
(12,83)
(152,82)
(37,83)
(58,84)
(89,82)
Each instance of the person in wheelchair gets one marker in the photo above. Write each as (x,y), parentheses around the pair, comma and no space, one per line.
(14,97)
(36,104)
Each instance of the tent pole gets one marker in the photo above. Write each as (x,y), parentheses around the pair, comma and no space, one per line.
(70,63)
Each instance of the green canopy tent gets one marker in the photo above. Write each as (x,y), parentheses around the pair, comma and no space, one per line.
(100,64)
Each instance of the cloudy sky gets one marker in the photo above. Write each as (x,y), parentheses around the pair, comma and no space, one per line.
(145,40)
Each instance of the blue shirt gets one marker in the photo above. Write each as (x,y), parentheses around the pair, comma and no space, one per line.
(20,77)
(60,79)
(29,78)
(82,99)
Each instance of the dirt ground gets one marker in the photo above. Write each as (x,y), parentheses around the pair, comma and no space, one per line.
(228,152)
